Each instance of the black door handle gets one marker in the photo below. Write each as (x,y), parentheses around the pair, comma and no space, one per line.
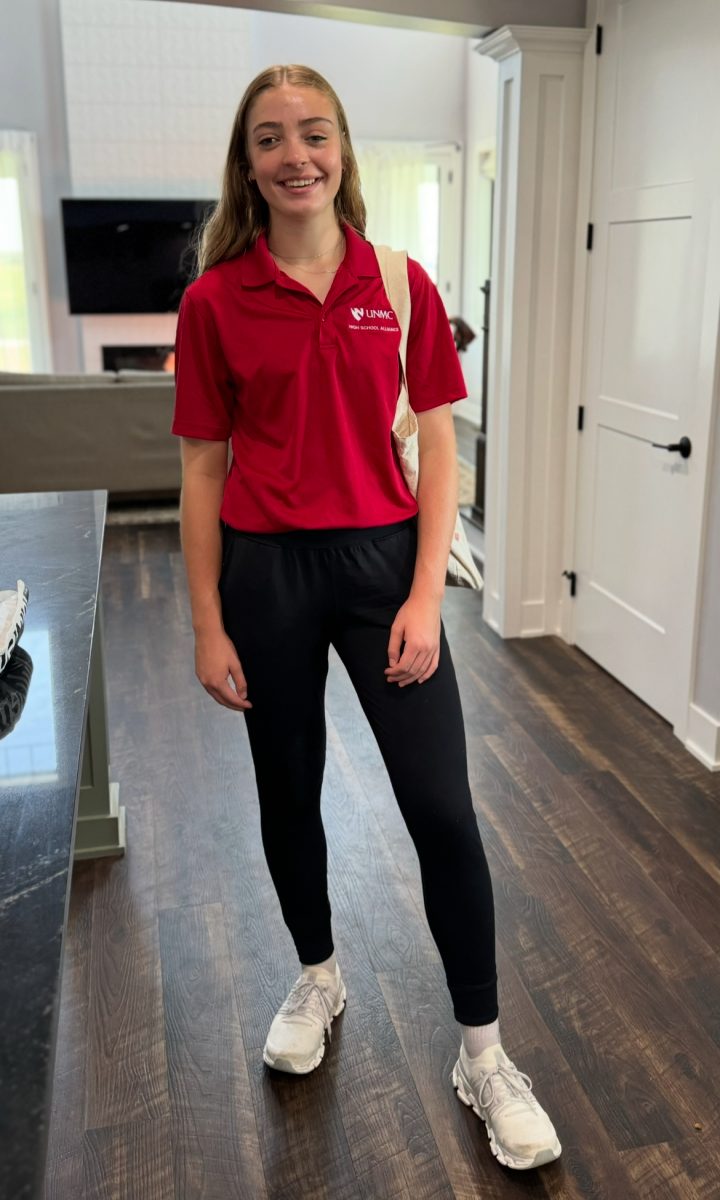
(684,447)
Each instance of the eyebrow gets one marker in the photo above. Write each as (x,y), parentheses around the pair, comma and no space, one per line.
(278,124)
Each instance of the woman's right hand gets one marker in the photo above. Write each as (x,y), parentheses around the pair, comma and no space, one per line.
(215,660)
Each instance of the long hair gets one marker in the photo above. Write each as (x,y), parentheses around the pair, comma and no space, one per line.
(241,213)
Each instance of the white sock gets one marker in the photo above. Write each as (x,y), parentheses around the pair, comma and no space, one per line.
(313,968)
(477,1038)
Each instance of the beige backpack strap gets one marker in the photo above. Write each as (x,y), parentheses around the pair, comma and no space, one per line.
(393,269)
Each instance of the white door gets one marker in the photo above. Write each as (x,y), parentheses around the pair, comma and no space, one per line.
(652,296)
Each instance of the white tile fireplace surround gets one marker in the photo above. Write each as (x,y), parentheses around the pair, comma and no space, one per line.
(145,331)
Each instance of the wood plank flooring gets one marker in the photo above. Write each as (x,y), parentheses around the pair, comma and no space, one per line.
(603,840)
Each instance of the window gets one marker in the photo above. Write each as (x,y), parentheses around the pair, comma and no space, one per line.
(412,192)
(24,326)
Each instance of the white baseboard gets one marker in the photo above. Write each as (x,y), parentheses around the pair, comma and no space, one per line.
(703,737)
(532,618)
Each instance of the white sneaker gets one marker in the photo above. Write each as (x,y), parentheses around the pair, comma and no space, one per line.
(296,1040)
(521,1133)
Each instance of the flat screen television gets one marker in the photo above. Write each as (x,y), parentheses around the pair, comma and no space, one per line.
(129,256)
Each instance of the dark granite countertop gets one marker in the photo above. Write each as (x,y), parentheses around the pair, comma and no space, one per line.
(53,541)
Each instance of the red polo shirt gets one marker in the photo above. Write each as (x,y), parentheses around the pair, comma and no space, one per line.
(308,391)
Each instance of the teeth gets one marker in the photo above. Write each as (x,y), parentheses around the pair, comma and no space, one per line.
(300,184)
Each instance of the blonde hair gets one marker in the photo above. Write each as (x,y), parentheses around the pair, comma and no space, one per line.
(241,213)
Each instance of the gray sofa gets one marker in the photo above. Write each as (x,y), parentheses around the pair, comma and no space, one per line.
(77,432)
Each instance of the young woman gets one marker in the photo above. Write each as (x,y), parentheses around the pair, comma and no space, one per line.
(288,346)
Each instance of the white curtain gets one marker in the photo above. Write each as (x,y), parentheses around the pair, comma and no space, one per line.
(392,176)
(24,322)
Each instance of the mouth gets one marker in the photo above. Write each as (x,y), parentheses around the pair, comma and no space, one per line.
(300,185)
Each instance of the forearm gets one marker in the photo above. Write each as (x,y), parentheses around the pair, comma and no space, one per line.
(437,504)
(201,540)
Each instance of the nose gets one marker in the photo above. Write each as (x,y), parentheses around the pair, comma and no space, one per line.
(296,152)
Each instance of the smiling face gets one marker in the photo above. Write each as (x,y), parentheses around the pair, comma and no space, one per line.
(294,149)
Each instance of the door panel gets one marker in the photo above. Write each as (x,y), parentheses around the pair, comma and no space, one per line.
(649,347)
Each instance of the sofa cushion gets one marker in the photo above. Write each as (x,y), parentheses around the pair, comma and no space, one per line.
(131,375)
(35,379)
(71,438)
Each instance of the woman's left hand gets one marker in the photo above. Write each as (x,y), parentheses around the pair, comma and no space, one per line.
(418,625)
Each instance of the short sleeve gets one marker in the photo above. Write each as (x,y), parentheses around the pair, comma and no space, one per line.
(204,394)
(434,374)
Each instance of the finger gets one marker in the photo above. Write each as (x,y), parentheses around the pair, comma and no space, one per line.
(424,666)
(404,667)
(394,645)
(416,673)
(240,684)
(407,676)
(225,695)
(411,660)
(431,669)
(232,707)
(419,669)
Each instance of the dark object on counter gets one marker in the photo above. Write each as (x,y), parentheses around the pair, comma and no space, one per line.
(14,686)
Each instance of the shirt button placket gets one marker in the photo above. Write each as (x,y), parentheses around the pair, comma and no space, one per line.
(325,340)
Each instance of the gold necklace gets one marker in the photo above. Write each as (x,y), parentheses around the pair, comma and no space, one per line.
(307,270)
(331,271)
(307,257)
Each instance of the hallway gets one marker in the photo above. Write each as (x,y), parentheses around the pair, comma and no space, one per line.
(603,840)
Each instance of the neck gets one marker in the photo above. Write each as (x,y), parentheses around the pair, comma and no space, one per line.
(304,238)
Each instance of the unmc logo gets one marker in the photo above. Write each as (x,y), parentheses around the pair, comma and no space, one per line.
(384,314)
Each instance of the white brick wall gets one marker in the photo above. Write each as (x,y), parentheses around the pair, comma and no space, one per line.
(151,91)
(152,88)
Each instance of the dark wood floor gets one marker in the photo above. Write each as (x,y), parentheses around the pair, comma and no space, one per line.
(604,844)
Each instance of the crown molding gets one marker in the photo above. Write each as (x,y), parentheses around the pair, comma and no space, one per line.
(514,39)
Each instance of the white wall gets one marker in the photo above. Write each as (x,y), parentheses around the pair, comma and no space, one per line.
(393,83)
(32,98)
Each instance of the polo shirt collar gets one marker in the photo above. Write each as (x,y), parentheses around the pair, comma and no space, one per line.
(258,266)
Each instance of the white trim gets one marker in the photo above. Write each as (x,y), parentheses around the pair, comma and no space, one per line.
(449,161)
(702,737)
(707,380)
(536,203)
(522,38)
(566,613)
(534,620)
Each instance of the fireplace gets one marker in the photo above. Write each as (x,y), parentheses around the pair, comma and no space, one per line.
(139,358)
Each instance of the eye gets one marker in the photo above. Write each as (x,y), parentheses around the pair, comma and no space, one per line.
(265,140)
(317,137)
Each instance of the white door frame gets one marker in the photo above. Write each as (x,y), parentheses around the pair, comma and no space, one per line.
(449,160)
(540,103)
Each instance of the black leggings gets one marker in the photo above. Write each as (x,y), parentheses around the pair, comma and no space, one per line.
(286,597)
